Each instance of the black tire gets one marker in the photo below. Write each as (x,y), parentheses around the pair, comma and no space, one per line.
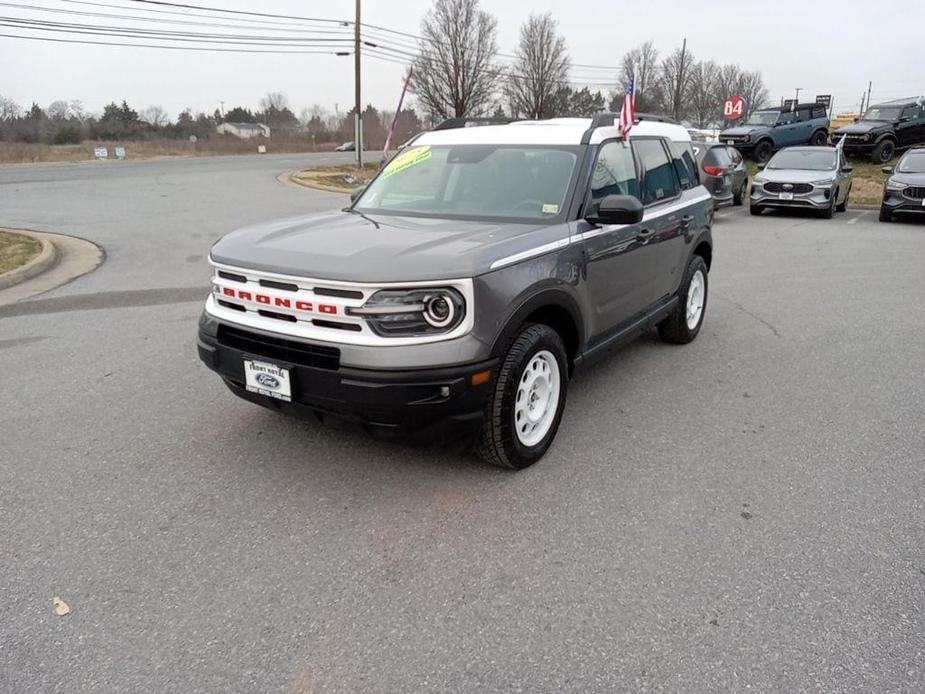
(738,198)
(829,211)
(674,328)
(820,138)
(755,210)
(763,151)
(843,205)
(885,215)
(498,442)
(883,152)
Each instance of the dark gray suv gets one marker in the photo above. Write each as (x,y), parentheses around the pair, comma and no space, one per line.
(460,291)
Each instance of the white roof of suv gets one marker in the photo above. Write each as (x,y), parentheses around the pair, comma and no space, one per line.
(556,131)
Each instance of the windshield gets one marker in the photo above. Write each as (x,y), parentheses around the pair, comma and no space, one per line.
(805,159)
(912,163)
(517,183)
(882,113)
(763,118)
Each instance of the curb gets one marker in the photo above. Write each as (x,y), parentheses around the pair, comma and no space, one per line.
(290,177)
(42,262)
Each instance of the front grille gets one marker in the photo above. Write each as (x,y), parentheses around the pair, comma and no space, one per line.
(915,192)
(279,348)
(796,188)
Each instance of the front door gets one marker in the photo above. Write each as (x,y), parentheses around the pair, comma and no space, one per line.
(621,261)
(911,130)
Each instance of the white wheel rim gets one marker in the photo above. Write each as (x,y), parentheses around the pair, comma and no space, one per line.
(537,398)
(696,293)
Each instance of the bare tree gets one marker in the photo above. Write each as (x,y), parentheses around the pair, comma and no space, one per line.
(9,109)
(642,62)
(704,108)
(453,74)
(274,101)
(540,67)
(674,82)
(155,115)
(58,110)
(753,90)
(77,110)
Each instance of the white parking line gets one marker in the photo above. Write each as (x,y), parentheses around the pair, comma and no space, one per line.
(862,214)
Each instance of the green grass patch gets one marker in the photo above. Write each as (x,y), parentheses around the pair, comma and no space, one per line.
(345,177)
(16,250)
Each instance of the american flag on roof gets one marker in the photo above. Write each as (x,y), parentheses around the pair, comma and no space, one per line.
(628,112)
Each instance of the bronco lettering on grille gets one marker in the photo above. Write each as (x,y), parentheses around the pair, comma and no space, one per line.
(279,301)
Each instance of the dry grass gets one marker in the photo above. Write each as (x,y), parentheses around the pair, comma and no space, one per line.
(23,153)
(342,177)
(16,250)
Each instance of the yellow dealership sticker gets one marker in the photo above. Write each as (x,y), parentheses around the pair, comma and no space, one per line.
(406,160)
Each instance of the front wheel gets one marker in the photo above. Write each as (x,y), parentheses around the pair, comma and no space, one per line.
(820,138)
(683,325)
(763,151)
(524,410)
(884,152)
(885,215)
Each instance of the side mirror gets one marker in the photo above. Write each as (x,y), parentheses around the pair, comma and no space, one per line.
(904,119)
(886,169)
(761,166)
(618,209)
(357,192)
(847,168)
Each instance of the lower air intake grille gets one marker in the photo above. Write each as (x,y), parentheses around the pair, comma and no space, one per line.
(279,348)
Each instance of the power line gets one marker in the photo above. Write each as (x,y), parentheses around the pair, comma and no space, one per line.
(134,18)
(238,12)
(174,48)
(187,37)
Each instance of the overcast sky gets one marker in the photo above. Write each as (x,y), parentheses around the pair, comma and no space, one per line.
(823,48)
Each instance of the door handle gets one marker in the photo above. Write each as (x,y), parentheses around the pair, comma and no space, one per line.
(645,235)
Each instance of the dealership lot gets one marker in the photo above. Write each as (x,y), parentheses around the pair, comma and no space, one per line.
(745,511)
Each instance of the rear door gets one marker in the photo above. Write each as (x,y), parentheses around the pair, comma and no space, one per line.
(620,261)
(664,222)
(912,131)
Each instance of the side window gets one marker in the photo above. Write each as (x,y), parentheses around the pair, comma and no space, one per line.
(684,164)
(801,115)
(614,174)
(819,112)
(911,112)
(659,181)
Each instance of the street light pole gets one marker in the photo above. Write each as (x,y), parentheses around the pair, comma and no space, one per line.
(357,120)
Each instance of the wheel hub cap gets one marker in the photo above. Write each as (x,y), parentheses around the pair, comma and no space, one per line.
(537,398)
(696,293)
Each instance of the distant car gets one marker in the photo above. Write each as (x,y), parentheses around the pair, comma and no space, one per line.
(346,147)
(723,172)
(904,190)
(771,129)
(885,129)
(809,178)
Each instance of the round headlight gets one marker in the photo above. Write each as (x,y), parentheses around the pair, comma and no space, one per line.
(439,311)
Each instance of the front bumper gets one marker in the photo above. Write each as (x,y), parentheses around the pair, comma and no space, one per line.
(857,147)
(420,404)
(817,199)
(895,201)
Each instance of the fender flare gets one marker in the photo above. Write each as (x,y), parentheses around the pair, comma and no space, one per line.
(534,299)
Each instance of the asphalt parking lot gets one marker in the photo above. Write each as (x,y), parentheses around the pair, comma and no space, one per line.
(746,513)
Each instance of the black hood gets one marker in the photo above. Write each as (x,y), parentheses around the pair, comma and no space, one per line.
(862,127)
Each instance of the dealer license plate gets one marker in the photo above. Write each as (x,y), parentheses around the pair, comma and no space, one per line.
(730,142)
(267,379)
(786,196)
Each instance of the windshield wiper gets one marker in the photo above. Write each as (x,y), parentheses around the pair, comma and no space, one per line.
(368,219)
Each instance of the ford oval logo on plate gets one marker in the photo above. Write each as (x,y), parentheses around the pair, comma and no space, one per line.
(268,381)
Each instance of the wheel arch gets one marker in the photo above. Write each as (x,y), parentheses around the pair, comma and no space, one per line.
(553,307)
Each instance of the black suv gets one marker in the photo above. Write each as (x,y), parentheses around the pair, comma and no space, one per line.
(885,129)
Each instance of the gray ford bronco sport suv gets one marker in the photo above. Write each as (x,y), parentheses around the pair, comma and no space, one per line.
(462,288)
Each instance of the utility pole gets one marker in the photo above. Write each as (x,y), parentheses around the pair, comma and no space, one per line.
(870,85)
(796,99)
(677,93)
(357,119)
(223,108)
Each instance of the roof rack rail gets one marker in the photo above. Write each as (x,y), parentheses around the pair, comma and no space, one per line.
(462,122)
(608,119)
